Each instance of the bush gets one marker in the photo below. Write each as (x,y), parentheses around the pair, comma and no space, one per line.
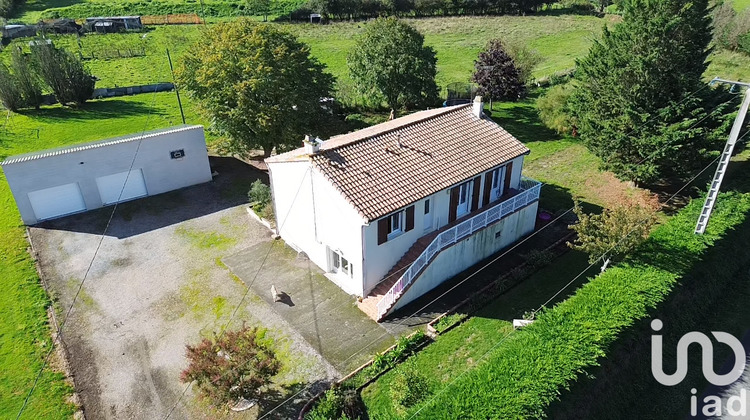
(409,385)
(259,193)
(565,342)
(553,108)
(539,258)
(524,59)
(235,365)
(27,78)
(338,404)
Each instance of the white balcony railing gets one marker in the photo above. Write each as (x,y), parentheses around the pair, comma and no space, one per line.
(528,193)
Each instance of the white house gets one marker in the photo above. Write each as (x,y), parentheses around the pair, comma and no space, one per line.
(391,211)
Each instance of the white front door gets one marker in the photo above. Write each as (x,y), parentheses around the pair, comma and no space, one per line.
(114,188)
(428,215)
(57,201)
(464,198)
(498,183)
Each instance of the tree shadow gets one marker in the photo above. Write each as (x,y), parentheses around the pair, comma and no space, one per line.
(40,5)
(92,110)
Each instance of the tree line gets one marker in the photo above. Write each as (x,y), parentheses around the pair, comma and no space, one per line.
(22,81)
(360,9)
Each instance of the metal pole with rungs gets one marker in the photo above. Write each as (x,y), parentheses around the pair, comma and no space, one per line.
(726,155)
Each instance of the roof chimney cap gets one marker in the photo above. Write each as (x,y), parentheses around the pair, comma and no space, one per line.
(478,107)
(312,146)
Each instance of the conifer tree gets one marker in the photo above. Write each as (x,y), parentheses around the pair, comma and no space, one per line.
(636,106)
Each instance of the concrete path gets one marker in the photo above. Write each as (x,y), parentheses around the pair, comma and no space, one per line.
(316,308)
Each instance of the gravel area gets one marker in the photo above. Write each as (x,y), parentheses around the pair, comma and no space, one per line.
(157,283)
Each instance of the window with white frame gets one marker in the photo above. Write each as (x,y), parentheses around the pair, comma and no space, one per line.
(396,224)
(338,263)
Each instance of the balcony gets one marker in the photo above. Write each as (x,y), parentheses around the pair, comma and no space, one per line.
(383,297)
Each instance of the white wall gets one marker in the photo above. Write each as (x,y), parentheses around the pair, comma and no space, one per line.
(160,172)
(470,251)
(311,215)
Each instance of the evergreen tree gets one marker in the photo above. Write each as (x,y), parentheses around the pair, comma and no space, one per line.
(27,78)
(636,107)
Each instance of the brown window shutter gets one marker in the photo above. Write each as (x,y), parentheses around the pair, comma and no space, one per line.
(487,188)
(383,230)
(409,218)
(453,206)
(475,193)
(508,173)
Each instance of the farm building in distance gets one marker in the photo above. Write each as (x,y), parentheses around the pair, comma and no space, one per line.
(113,23)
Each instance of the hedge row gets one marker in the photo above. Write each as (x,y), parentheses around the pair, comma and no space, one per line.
(527,371)
(145,7)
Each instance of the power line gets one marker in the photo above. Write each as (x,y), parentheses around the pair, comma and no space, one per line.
(519,243)
(562,289)
(91,263)
(247,290)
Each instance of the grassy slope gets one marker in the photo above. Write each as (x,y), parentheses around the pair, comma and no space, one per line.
(23,332)
(460,348)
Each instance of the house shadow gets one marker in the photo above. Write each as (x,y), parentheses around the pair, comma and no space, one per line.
(228,189)
(711,296)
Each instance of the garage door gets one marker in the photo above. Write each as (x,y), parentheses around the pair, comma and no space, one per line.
(57,201)
(110,186)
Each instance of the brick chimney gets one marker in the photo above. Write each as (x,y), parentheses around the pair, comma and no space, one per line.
(478,108)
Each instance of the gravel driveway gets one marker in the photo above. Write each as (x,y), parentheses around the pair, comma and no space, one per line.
(156,284)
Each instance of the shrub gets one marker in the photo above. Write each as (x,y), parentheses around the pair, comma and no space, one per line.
(553,108)
(524,59)
(539,258)
(235,365)
(338,404)
(615,232)
(259,193)
(409,385)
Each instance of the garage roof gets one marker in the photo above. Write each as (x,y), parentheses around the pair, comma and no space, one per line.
(96,144)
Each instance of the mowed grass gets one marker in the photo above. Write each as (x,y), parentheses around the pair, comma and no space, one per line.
(24,335)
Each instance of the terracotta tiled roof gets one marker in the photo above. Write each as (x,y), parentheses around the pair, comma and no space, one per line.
(438,148)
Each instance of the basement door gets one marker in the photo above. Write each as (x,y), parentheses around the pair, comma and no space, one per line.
(57,201)
(110,186)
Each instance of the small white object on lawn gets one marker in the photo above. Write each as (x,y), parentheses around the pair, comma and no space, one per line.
(520,323)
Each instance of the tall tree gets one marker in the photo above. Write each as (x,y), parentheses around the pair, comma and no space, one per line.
(497,75)
(390,61)
(258,84)
(64,73)
(27,78)
(10,94)
(636,107)
(260,7)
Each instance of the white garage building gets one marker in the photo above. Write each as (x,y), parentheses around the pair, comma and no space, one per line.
(58,182)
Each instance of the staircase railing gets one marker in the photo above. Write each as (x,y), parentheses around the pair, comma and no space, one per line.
(529,192)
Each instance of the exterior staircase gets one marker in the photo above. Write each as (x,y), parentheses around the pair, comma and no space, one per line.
(369,303)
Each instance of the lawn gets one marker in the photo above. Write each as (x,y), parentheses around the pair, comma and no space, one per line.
(459,349)
(23,328)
